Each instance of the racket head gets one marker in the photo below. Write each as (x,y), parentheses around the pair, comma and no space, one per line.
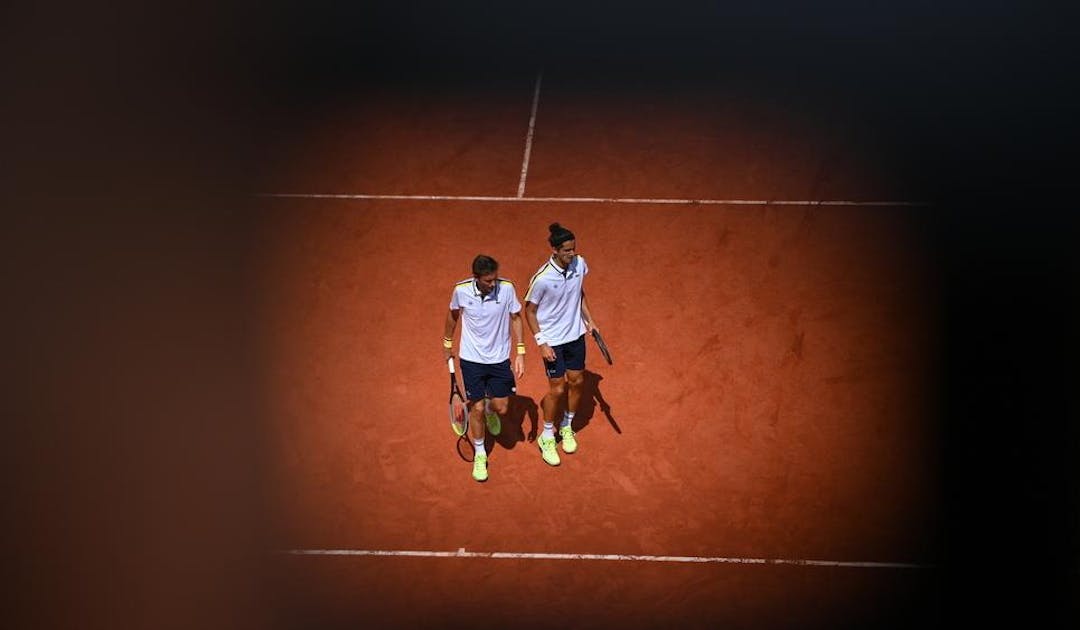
(465,449)
(603,346)
(459,418)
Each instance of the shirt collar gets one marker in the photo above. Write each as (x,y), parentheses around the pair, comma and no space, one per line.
(563,272)
(494,295)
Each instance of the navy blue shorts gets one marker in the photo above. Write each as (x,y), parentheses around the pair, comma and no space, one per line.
(487,380)
(568,356)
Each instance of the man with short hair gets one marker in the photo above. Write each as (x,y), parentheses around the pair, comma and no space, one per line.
(558,314)
(491,311)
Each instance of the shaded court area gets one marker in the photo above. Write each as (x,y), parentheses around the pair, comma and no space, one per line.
(832,405)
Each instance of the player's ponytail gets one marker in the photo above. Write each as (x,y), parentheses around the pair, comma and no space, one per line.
(559,235)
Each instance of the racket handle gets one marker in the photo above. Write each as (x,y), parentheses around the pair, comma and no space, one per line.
(450,364)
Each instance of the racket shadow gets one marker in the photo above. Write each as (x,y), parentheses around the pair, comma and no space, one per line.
(520,409)
(591,399)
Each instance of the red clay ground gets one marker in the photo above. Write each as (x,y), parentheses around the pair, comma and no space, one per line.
(769,398)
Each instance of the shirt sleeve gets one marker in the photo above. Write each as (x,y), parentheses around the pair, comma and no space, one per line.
(454,304)
(515,305)
(535,291)
(584,266)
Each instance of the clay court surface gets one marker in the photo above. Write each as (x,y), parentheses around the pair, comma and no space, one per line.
(770,401)
(831,247)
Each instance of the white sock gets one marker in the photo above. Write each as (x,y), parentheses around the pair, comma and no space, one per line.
(478,446)
(567,418)
(549,429)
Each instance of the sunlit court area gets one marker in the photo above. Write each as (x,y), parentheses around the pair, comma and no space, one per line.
(839,309)
(772,398)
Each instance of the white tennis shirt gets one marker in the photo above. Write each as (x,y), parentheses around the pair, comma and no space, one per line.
(556,292)
(485,321)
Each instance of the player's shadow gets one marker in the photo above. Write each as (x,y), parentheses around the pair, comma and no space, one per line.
(591,398)
(521,408)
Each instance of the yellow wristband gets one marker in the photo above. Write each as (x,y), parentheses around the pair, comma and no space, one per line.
(521,348)
(447,343)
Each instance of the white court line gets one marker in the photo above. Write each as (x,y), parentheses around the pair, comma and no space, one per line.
(529,136)
(679,202)
(461,553)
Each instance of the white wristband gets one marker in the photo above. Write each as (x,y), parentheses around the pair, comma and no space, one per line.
(539,337)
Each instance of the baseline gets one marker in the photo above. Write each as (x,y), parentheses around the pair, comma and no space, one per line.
(461,553)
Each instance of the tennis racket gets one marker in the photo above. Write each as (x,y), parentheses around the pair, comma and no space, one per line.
(465,449)
(603,346)
(459,417)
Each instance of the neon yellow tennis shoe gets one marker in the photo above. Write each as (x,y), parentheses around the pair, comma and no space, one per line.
(569,443)
(479,468)
(494,425)
(547,450)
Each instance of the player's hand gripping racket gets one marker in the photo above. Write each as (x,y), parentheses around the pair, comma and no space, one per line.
(603,346)
(459,418)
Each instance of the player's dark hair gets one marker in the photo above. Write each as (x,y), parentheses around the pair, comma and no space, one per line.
(559,235)
(483,265)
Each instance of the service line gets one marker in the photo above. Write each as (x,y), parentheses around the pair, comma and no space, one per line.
(627,200)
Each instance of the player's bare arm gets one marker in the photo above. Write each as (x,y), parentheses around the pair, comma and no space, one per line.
(518,333)
(590,323)
(452,317)
(530,316)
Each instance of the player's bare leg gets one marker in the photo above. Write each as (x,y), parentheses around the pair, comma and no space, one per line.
(576,383)
(477,430)
(477,433)
(495,412)
(501,405)
(553,404)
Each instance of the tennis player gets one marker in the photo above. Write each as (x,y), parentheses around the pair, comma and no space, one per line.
(491,312)
(558,314)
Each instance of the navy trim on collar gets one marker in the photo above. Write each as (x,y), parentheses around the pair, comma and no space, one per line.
(565,273)
(494,295)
